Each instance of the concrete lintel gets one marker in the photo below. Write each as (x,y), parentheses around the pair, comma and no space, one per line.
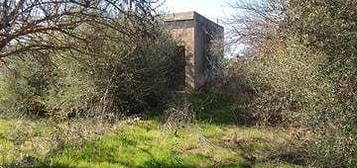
(180,16)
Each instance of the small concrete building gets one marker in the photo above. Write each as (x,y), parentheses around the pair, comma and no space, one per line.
(195,34)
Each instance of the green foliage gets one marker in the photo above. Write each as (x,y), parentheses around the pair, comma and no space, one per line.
(123,81)
(216,107)
(310,80)
(330,27)
(3,91)
(212,107)
(112,74)
(290,84)
(28,85)
(279,89)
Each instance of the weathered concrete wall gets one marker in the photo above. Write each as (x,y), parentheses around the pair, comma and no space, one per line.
(206,32)
(195,33)
(182,29)
(185,38)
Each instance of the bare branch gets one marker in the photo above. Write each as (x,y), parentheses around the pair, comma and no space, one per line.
(24,22)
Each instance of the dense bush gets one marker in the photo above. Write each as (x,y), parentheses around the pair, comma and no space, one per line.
(279,89)
(309,80)
(112,74)
(330,27)
(288,88)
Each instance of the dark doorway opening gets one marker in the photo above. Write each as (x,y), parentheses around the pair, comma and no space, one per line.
(181,69)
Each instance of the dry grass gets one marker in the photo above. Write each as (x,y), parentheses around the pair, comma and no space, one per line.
(21,139)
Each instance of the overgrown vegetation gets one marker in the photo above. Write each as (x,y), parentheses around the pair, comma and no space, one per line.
(213,147)
(24,142)
(77,80)
(115,74)
(151,143)
(299,70)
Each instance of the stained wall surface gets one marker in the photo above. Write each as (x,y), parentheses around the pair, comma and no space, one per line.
(195,33)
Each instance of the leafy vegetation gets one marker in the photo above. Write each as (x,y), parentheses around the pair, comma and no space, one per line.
(300,69)
(74,95)
(118,77)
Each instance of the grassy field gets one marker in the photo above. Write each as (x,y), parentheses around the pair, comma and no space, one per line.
(148,144)
(213,140)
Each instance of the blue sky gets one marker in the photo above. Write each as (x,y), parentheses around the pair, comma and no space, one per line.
(213,9)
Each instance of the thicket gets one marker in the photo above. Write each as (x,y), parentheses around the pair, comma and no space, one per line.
(299,69)
(115,73)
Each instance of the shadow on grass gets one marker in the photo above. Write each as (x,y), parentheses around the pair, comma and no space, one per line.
(208,107)
(135,146)
(140,146)
(172,161)
(221,109)
(152,164)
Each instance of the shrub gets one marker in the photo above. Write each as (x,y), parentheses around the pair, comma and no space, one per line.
(112,74)
(280,88)
(329,27)
(310,78)
(3,93)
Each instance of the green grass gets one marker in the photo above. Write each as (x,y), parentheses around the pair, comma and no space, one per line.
(214,140)
(22,138)
(147,144)
(16,140)
(6,152)
(213,108)
(3,92)
(4,125)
